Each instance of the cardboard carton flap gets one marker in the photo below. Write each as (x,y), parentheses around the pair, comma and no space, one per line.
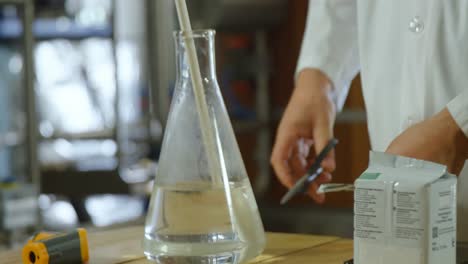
(380,163)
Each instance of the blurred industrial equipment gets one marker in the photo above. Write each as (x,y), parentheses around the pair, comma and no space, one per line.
(95,128)
(18,163)
(91,127)
(93,104)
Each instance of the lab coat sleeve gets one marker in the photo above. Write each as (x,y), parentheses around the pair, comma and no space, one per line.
(330,44)
(458,107)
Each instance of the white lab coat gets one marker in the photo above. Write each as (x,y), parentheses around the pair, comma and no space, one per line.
(413,59)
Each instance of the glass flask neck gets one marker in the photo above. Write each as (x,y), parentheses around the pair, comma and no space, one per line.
(204,46)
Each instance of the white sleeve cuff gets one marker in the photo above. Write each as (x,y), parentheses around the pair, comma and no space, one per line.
(458,108)
(330,44)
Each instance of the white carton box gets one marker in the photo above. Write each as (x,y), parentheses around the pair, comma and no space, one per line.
(404,212)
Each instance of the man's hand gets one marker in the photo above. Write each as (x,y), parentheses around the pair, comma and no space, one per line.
(305,129)
(437,139)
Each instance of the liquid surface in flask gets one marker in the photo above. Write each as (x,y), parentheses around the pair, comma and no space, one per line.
(191,221)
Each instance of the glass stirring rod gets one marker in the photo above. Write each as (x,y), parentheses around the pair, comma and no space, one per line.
(312,173)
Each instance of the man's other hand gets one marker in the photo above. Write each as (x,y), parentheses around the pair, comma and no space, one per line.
(438,139)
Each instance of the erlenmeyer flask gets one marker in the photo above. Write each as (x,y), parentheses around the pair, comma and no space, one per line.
(198,214)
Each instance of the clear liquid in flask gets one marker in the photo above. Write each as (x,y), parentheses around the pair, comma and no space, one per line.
(199,223)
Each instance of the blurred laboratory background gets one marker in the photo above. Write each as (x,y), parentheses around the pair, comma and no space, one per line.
(85,89)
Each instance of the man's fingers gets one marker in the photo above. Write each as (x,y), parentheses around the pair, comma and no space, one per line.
(298,165)
(304,147)
(325,177)
(284,174)
(312,191)
(280,158)
(329,164)
(318,197)
(322,134)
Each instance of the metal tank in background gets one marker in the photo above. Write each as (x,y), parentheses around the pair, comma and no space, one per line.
(237,14)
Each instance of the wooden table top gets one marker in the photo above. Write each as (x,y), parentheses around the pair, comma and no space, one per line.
(124,246)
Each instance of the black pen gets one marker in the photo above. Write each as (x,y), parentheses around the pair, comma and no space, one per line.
(312,173)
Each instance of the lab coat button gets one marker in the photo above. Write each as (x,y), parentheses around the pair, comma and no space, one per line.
(416,25)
